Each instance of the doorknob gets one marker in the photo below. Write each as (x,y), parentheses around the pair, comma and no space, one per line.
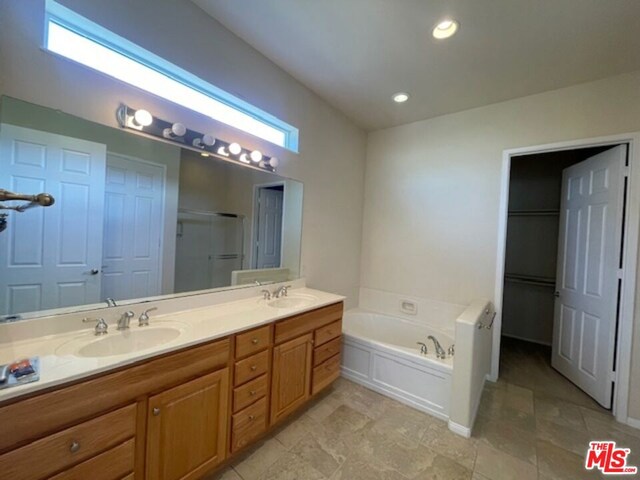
(93,271)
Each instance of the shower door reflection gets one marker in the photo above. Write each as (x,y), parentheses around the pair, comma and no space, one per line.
(209,246)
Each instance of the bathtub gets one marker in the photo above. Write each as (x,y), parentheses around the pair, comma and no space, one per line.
(380,353)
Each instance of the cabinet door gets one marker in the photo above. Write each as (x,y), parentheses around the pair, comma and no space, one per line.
(291,382)
(187,428)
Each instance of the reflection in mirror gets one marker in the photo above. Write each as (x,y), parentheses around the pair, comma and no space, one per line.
(133,217)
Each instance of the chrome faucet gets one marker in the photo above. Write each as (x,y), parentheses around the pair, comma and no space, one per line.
(111,302)
(143,319)
(266,294)
(101,326)
(423,348)
(282,291)
(123,322)
(440,353)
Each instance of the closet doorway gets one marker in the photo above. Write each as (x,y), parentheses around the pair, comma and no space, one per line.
(567,283)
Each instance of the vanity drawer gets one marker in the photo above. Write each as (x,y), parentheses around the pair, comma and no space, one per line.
(248,424)
(251,367)
(328,332)
(249,393)
(325,373)
(68,447)
(301,324)
(253,341)
(326,351)
(114,464)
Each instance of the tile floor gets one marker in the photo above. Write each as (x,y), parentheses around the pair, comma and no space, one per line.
(532,424)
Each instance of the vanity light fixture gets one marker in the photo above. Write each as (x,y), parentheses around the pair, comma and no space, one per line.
(400,97)
(445,29)
(256,156)
(206,144)
(176,131)
(235,148)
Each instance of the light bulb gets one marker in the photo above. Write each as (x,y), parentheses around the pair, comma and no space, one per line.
(256,156)
(235,148)
(206,140)
(223,151)
(176,130)
(274,162)
(142,118)
(244,159)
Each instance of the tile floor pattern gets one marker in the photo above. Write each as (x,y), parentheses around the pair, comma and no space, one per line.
(533,424)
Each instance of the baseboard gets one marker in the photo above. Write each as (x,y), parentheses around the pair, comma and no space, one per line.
(633,422)
(459,429)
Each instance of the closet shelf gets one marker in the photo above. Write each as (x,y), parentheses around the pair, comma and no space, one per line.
(530,280)
(534,213)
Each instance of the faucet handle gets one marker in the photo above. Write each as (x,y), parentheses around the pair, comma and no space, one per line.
(143,319)
(451,350)
(285,290)
(102,328)
(266,294)
(423,348)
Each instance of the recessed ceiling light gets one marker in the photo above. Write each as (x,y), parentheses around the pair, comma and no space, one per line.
(445,29)
(400,97)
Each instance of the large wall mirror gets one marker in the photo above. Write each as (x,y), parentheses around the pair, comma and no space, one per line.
(133,218)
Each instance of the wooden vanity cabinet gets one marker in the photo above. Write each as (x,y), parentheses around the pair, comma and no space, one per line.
(290,387)
(176,416)
(187,428)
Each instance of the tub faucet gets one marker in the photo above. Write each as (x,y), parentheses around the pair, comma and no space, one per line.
(440,353)
(111,302)
(423,348)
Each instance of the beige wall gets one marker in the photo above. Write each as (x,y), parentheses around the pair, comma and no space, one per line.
(432,189)
(332,148)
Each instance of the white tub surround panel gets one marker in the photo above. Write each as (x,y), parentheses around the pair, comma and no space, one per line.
(201,318)
(436,314)
(380,352)
(471,364)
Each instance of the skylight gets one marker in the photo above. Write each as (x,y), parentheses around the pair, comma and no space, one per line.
(78,39)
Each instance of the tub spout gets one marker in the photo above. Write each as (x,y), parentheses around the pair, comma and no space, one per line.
(440,353)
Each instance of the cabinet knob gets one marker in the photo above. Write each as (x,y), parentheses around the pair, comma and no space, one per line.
(253,368)
(252,393)
(75,446)
(252,417)
(156,411)
(254,341)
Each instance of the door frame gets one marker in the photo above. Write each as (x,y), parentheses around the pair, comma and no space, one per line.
(254,221)
(624,338)
(162,268)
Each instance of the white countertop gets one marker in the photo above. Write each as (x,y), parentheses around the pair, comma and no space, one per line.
(199,325)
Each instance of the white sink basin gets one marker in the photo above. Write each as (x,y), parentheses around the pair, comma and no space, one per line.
(293,301)
(120,343)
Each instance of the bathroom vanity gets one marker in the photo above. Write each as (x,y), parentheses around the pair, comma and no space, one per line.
(177,414)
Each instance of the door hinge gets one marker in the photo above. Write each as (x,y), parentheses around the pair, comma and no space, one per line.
(626,170)
(613,376)
(620,273)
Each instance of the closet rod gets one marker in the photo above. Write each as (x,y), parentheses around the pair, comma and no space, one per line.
(534,213)
(210,214)
(523,279)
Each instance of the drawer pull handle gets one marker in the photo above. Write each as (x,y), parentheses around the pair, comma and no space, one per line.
(252,393)
(253,368)
(75,446)
(252,418)
(254,341)
(156,411)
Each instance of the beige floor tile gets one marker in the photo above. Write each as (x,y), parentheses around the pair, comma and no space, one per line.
(576,441)
(252,465)
(363,467)
(506,437)
(558,411)
(443,468)
(497,465)
(290,434)
(560,464)
(291,467)
(227,474)
(519,398)
(344,420)
(441,440)
(323,458)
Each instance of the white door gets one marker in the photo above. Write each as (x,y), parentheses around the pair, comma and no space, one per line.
(269,226)
(587,276)
(133,228)
(50,257)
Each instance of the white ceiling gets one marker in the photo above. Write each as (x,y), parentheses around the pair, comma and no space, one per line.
(356,53)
